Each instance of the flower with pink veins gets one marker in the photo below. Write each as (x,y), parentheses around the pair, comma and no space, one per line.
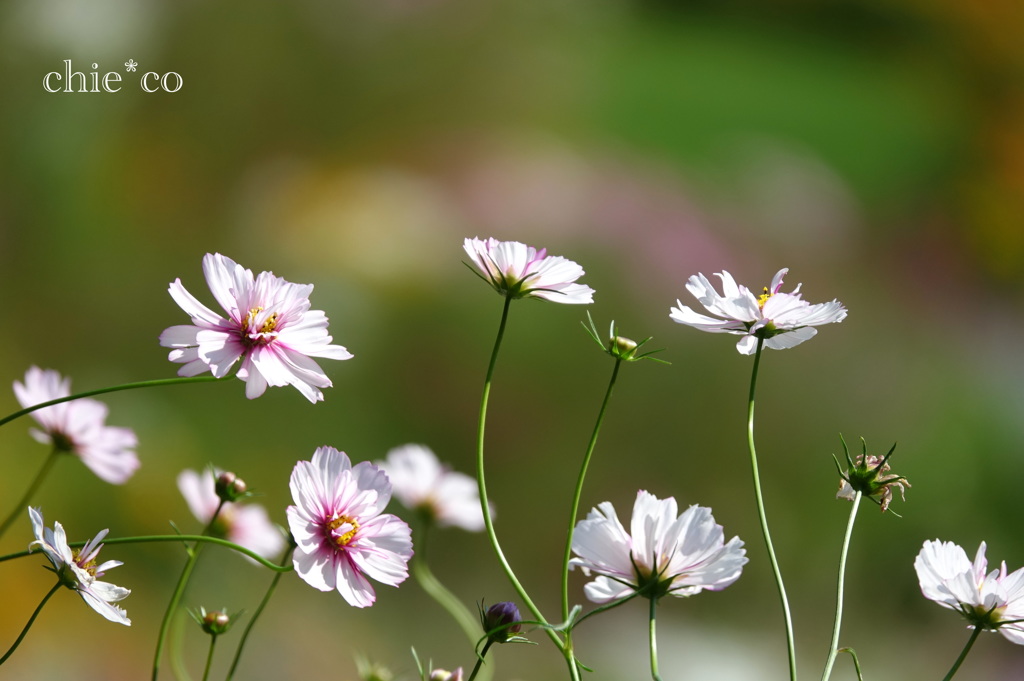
(663,554)
(341,532)
(77,569)
(783,320)
(516,270)
(78,427)
(989,600)
(421,483)
(269,327)
(247,525)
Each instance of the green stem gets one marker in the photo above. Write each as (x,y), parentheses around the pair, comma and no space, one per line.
(20,507)
(578,493)
(486,509)
(654,643)
(480,660)
(30,621)
(791,647)
(209,657)
(256,615)
(959,660)
(834,648)
(125,386)
(179,591)
(178,538)
(469,624)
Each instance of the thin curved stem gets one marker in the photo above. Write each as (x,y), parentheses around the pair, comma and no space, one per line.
(31,620)
(578,492)
(177,538)
(179,591)
(654,643)
(485,504)
(469,624)
(209,657)
(20,507)
(256,615)
(790,646)
(963,654)
(480,660)
(834,648)
(100,391)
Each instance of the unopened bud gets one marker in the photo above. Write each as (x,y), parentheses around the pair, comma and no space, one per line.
(500,615)
(229,487)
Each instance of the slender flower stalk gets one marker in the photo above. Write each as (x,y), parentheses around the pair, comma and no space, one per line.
(763,518)
(963,654)
(654,642)
(179,591)
(31,621)
(436,590)
(112,389)
(209,657)
(30,492)
(485,504)
(256,615)
(171,538)
(834,647)
(578,492)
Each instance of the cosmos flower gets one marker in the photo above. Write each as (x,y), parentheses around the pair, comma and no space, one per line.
(342,536)
(247,525)
(783,320)
(664,553)
(516,270)
(269,327)
(78,427)
(77,569)
(989,600)
(420,482)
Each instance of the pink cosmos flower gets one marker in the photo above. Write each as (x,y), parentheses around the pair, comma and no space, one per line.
(269,326)
(519,271)
(784,320)
(342,535)
(78,427)
(421,483)
(247,525)
(664,553)
(990,600)
(77,569)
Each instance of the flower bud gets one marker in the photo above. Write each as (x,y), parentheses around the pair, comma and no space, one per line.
(229,487)
(215,622)
(622,347)
(500,615)
(442,675)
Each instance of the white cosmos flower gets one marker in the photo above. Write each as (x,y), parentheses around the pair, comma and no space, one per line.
(784,320)
(420,482)
(664,553)
(269,327)
(77,569)
(78,427)
(990,600)
(516,270)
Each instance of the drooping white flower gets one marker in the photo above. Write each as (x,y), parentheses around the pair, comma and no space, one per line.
(78,427)
(420,482)
(269,327)
(516,270)
(247,524)
(783,320)
(990,600)
(663,554)
(341,532)
(77,569)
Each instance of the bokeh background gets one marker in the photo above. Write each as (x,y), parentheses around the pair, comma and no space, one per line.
(875,147)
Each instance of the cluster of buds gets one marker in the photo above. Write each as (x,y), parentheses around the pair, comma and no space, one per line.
(230,488)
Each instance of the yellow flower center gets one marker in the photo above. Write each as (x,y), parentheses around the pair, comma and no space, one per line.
(89,566)
(269,324)
(763,298)
(343,539)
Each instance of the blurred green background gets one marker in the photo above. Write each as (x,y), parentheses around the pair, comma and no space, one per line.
(875,147)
